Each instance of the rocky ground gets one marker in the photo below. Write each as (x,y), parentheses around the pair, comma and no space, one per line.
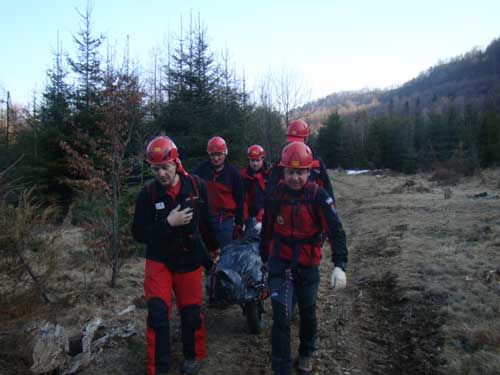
(422,271)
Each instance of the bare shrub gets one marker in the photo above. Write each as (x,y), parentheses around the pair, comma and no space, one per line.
(463,162)
(410,186)
(91,212)
(444,176)
(447,192)
(26,256)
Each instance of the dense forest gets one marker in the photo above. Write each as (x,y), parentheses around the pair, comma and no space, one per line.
(80,146)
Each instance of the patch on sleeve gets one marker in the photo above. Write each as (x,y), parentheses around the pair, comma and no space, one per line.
(331,203)
(160,206)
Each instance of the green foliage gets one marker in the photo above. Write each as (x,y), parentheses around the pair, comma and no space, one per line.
(87,67)
(55,109)
(93,212)
(204,100)
(409,162)
(489,138)
(44,166)
(331,142)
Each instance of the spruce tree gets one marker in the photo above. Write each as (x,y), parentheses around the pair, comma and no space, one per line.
(89,75)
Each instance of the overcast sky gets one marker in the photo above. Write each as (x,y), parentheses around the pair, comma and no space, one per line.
(329,45)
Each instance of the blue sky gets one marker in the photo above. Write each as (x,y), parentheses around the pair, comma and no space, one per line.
(327,45)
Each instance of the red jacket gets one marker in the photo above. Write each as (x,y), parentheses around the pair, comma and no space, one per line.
(225,190)
(255,188)
(296,221)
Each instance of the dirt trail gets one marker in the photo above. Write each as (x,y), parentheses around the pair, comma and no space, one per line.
(380,330)
(387,321)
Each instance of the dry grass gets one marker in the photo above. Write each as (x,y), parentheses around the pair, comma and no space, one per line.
(444,255)
(27,255)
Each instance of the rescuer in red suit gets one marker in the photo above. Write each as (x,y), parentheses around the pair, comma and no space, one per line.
(298,131)
(297,214)
(255,177)
(173,219)
(225,191)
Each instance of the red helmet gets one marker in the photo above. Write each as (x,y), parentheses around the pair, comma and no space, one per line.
(297,131)
(296,155)
(216,144)
(256,152)
(161,150)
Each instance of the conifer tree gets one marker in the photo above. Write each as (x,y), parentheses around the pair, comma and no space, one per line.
(55,108)
(89,75)
(330,141)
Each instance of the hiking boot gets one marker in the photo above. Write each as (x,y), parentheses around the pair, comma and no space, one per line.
(305,365)
(190,366)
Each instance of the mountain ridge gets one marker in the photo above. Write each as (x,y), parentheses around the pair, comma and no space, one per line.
(463,80)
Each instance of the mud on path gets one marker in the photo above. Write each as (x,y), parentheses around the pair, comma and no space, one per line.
(389,320)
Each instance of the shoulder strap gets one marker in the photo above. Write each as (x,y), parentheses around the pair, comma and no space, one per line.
(311,193)
(195,182)
(151,190)
(276,201)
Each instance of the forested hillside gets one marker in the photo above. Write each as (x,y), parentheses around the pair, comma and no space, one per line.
(473,74)
(448,114)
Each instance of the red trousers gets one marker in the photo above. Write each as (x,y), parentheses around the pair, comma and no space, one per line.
(158,285)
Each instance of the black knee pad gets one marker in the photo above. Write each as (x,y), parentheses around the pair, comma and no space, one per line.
(157,313)
(191,316)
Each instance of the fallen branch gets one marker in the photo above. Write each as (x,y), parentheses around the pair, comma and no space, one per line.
(34,276)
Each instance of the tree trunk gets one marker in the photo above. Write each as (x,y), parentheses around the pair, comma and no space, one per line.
(115,251)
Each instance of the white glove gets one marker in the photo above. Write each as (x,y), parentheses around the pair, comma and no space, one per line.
(338,278)
(258,227)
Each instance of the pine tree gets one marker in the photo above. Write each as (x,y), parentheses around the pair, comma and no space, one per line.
(204,99)
(330,141)
(87,68)
(44,164)
(55,108)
